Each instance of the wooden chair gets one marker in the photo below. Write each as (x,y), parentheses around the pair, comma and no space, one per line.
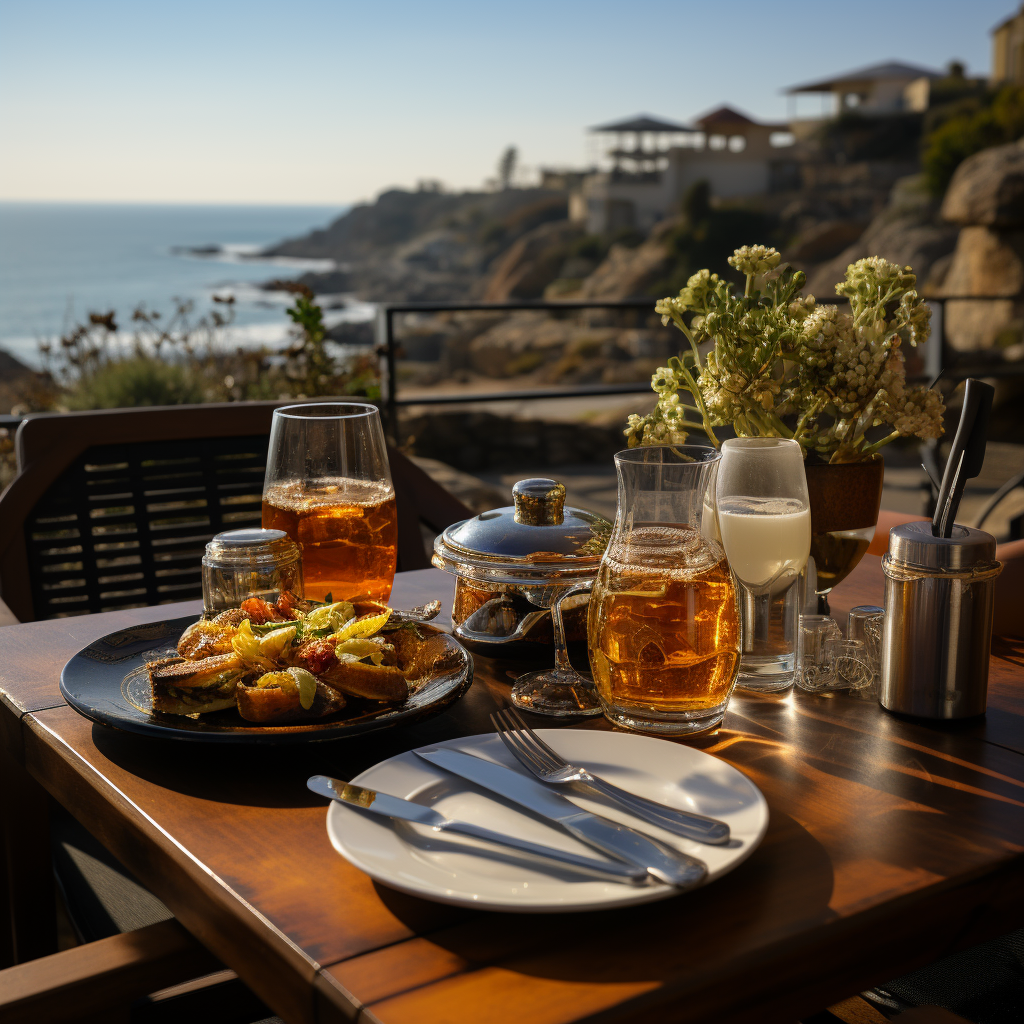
(112,509)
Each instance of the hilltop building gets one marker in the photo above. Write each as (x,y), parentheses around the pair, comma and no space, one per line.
(654,162)
(1008,50)
(889,88)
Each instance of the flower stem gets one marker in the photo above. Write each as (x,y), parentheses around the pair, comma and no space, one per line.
(691,386)
(872,448)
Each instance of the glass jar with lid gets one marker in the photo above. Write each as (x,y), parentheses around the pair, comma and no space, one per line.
(240,564)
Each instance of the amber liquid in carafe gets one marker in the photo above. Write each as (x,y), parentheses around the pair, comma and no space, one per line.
(348,533)
(663,624)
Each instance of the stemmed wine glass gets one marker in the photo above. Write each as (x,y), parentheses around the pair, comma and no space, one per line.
(765,521)
(328,486)
(560,691)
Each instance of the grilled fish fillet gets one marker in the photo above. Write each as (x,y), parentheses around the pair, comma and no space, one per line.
(183,687)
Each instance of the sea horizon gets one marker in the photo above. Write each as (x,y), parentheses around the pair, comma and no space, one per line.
(61,260)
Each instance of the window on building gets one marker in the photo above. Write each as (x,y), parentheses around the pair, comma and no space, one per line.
(737,143)
(716,142)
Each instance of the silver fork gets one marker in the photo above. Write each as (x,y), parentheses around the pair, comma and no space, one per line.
(549,766)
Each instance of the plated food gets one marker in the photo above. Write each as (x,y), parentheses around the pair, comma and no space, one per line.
(290,661)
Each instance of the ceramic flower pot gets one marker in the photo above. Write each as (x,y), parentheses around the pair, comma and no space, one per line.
(845,498)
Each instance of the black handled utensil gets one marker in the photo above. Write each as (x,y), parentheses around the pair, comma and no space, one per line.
(966,455)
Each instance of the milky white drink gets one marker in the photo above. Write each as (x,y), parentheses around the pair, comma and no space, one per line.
(766,540)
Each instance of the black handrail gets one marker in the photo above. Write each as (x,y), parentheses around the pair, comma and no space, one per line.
(936,361)
(385,332)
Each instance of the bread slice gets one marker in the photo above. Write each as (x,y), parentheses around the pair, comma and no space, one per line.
(183,687)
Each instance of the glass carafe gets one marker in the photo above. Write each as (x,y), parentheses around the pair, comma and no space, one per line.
(663,626)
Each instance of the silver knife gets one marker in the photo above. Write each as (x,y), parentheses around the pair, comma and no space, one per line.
(407,810)
(620,841)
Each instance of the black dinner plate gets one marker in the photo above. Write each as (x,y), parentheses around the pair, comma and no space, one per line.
(107,683)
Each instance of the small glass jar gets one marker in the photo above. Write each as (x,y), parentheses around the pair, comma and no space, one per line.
(240,564)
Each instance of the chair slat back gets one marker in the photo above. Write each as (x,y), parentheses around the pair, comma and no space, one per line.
(126,524)
(112,509)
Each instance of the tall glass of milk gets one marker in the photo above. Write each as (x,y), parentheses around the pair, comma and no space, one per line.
(765,522)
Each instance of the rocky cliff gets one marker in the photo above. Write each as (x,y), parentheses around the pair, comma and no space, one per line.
(907,231)
(423,246)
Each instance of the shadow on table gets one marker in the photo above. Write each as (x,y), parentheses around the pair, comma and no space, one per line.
(260,775)
(787,882)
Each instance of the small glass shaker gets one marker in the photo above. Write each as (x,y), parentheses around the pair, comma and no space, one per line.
(240,564)
(937,636)
(827,661)
(864,623)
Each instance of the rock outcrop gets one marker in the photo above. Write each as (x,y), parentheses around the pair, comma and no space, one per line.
(532,263)
(423,246)
(905,232)
(988,189)
(556,351)
(630,272)
(986,197)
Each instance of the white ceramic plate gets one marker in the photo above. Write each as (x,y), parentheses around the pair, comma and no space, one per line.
(463,871)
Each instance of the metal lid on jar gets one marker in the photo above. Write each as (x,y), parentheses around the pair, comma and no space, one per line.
(538,540)
(251,548)
(915,546)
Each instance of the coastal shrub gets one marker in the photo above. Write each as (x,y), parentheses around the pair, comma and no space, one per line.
(185,359)
(966,127)
(854,136)
(135,381)
(706,236)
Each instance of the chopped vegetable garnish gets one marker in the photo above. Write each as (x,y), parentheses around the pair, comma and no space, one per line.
(362,627)
(247,646)
(272,644)
(334,615)
(361,648)
(306,682)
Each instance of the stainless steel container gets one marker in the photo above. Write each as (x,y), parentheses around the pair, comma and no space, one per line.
(512,563)
(939,599)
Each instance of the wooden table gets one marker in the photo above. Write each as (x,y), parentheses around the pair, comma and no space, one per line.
(891,843)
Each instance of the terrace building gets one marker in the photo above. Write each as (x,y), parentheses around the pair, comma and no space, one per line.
(888,88)
(1008,51)
(650,163)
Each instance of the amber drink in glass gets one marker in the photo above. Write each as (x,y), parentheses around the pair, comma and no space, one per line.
(663,625)
(328,486)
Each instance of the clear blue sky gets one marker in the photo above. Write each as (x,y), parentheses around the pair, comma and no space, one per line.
(309,101)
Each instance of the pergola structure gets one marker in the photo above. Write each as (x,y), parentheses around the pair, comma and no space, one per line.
(643,140)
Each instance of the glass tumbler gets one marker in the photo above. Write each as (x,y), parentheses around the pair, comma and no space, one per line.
(662,625)
(328,486)
(765,522)
(827,661)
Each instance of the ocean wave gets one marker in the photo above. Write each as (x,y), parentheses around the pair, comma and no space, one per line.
(244,252)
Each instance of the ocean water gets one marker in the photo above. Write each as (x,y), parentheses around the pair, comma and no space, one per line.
(61,261)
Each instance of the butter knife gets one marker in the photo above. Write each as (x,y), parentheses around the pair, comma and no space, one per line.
(407,810)
(626,844)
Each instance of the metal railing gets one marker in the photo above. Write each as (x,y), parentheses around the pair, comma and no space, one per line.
(386,346)
(937,360)
(936,357)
